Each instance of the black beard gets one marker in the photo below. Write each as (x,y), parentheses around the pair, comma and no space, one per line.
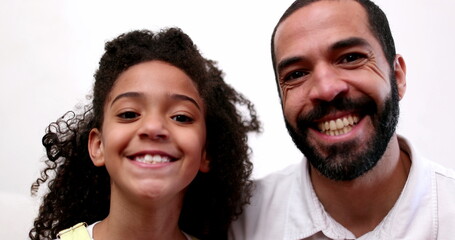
(341,162)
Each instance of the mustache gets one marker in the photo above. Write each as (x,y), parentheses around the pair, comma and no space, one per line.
(362,106)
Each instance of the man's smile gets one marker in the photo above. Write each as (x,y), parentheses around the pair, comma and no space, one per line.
(338,126)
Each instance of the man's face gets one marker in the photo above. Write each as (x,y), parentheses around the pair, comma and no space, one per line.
(340,97)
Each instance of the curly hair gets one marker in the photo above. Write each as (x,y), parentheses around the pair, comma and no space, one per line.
(80,192)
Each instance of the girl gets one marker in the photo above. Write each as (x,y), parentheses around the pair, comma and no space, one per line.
(160,153)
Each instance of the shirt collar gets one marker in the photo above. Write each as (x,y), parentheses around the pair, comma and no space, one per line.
(415,209)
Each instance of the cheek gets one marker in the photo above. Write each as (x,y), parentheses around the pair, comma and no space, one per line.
(377,95)
(193,141)
(292,109)
(116,140)
(194,146)
(198,146)
(294,102)
(371,84)
(288,91)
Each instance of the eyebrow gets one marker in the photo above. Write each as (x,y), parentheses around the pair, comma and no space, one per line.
(342,44)
(182,97)
(288,62)
(127,95)
(174,96)
(350,42)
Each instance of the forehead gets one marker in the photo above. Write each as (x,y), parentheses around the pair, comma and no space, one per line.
(321,24)
(155,74)
(154,77)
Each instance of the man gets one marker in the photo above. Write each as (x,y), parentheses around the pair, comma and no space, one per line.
(340,82)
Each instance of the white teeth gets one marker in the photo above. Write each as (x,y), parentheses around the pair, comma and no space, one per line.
(338,126)
(339,123)
(350,120)
(333,125)
(152,159)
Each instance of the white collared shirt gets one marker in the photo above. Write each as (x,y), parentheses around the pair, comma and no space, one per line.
(285,206)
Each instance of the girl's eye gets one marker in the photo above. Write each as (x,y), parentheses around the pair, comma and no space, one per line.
(294,75)
(352,57)
(182,118)
(128,115)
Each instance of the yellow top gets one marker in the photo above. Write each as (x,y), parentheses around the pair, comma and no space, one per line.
(76,232)
(79,232)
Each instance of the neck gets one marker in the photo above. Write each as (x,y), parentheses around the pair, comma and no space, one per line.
(136,220)
(361,204)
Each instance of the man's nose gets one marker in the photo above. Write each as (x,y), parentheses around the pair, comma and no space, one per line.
(327,83)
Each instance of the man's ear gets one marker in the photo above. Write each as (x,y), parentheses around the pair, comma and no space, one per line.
(96,147)
(205,163)
(399,68)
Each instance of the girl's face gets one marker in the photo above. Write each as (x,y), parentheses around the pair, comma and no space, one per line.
(152,140)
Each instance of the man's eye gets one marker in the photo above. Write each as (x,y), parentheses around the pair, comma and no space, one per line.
(128,115)
(352,57)
(294,75)
(182,118)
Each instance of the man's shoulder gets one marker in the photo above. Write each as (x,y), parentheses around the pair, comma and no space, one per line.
(272,193)
(445,181)
(445,194)
(278,179)
(265,216)
(441,172)
(444,172)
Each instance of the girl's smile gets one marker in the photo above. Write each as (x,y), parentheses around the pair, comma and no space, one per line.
(152,158)
(153,137)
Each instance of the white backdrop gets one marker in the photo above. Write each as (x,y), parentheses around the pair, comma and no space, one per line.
(49,50)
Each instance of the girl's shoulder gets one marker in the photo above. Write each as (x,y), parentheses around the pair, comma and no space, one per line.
(80,231)
(76,232)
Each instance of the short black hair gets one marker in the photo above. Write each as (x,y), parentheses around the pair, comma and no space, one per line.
(377,20)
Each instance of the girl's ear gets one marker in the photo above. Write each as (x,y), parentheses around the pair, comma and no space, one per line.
(95,147)
(205,163)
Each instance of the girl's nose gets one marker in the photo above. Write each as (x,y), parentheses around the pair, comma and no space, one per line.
(154,128)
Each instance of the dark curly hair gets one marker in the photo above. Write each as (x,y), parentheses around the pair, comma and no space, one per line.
(80,192)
